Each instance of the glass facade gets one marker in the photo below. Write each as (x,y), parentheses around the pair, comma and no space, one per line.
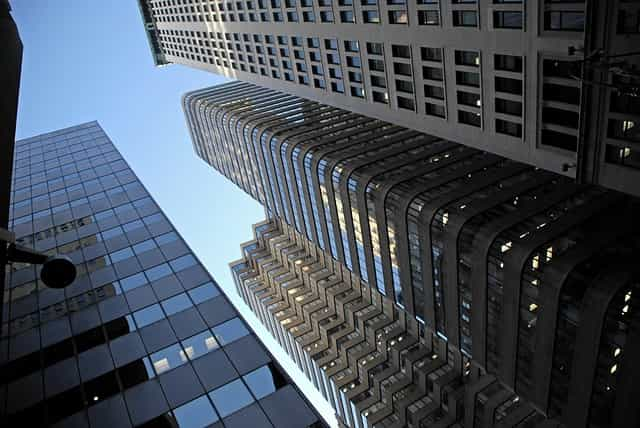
(143,337)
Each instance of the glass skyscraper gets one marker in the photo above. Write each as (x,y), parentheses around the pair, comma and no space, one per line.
(143,337)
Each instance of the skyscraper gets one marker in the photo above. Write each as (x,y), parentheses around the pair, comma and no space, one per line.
(500,263)
(531,81)
(143,337)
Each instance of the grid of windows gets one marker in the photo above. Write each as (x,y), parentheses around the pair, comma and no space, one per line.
(143,335)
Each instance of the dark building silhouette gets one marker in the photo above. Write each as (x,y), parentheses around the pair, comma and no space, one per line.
(518,274)
(144,336)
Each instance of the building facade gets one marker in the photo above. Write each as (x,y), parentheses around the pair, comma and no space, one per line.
(492,257)
(496,76)
(144,336)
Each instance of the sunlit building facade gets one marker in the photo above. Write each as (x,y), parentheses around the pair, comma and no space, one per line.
(516,78)
(144,336)
(491,257)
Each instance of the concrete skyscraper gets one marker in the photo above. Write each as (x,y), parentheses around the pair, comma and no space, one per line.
(143,337)
(532,81)
(509,271)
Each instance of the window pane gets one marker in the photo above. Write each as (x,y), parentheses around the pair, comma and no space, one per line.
(196,414)
(176,304)
(265,380)
(231,397)
(204,292)
(200,344)
(229,331)
(148,315)
(168,358)
(182,262)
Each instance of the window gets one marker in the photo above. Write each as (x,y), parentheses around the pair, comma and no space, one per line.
(370,17)
(376,65)
(564,21)
(628,22)
(351,46)
(512,86)
(469,118)
(561,93)
(182,262)
(375,48)
(469,58)
(401,51)
(176,304)
(357,92)
(467,79)
(428,17)
(558,140)
(168,358)
(398,17)
(406,103)
(337,87)
(196,413)
(378,82)
(231,397)
(508,128)
(326,16)
(627,156)
(432,73)
(560,117)
(200,344)
(508,63)
(265,380)
(402,69)
(468,99)
(434,92)
(148,315)
(230,331)
(204,292)
(404,86)
(431,54)
(346,16)
(465,18)
(624,129)
(434,110)
(508,107)
(380,97)
(507,19)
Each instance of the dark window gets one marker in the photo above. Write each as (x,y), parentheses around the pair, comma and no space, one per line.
(380,97)
(406,103)
(564,21)
(431,54)
(469,58)
(559,140)
(628,22)
(468,99)
(469,118)
(627,104)
(563,69)
(561,93)
(432,73)
(512,86)
(375,48)
(508,107)
(467,79)
(265,380)
(346,16)
(378,81)
(508,128)
(508,63)
(560,117)
(402,69)
(434,92)
(398,17)
(434,109)
(376,65)
(465,18)
(507,19)
(404,86)
(401,51)
(355,76)
(370,17)
(428,17)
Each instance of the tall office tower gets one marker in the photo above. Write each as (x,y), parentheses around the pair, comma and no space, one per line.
(493,75)
(360,351)
(501,261)
(143,337)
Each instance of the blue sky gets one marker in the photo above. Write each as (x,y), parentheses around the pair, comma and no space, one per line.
(89,60)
